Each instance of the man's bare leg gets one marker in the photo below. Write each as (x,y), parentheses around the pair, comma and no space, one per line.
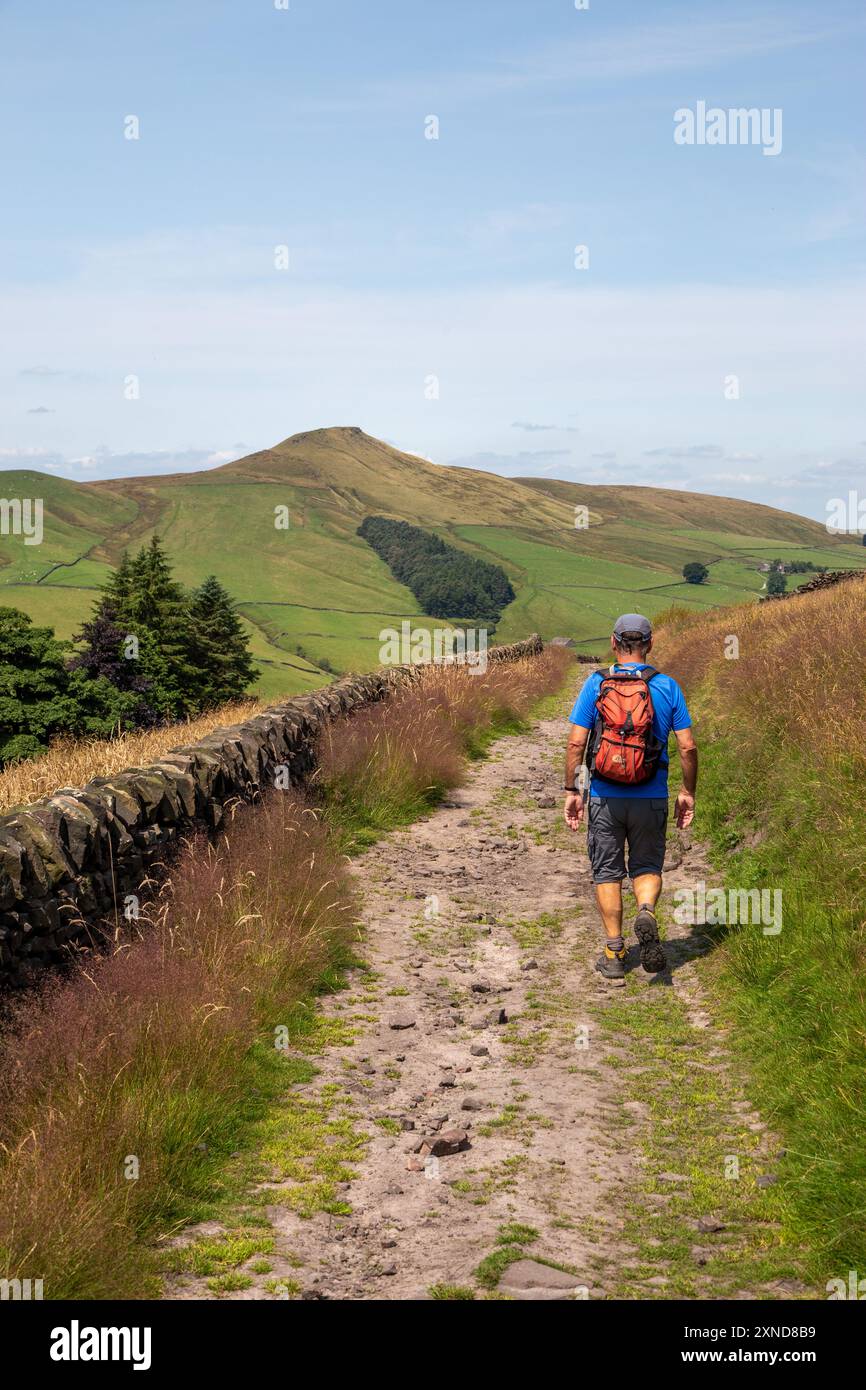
(611,962)
(609,899)
(647,888)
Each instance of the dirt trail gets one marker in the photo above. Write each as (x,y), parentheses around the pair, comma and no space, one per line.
(484,912)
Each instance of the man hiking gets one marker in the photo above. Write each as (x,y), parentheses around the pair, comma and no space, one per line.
(622,719)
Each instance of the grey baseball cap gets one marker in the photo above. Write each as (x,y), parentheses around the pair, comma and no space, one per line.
(632,622)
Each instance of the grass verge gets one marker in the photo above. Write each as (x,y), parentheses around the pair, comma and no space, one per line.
(159,1084)
(782,705)
(390,763)
(711,1219)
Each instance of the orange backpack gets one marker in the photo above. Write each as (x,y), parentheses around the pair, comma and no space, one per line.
(625,749)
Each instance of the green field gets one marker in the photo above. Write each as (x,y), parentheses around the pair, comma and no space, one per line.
(316,599)
(580,595)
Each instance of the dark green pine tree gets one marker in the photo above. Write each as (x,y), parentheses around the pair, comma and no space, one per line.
(220,648)
(100,644)
(115,594)
(153,597)
(142,601)
(156,610)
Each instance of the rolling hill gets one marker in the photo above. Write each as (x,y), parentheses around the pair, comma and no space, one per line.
(315,597)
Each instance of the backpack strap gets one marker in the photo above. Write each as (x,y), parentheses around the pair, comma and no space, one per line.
(645,673)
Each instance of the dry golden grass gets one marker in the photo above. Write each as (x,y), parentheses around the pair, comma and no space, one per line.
(798,673)
(150,1051)
(389,762)
(794,697)
(72,762)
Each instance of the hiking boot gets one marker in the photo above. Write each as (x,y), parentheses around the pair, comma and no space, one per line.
(652,952)
(611,964)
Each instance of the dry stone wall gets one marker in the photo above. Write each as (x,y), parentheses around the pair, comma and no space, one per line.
(821,581)
(68,862)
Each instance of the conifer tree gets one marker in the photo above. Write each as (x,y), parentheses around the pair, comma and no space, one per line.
(178,653)
(219,645)
(149,611)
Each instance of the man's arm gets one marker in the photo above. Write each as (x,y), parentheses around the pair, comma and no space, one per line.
(685,803)
(574,801)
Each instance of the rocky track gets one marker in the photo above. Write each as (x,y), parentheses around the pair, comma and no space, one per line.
(500,1105)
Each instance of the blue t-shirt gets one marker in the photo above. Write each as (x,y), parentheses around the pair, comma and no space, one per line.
(670,713)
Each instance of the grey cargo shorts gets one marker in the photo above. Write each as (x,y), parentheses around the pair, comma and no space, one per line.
(614,821)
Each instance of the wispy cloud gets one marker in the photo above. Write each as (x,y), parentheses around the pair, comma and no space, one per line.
(104,463)
(532,428)
(687,451)
(745,478)
(244,363)
(847,471)
(616,53)
(528,460)
(839,208)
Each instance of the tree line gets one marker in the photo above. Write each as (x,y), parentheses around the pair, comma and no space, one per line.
(447,582)
(797,567)
(151,653)
(696,573)
(777,582)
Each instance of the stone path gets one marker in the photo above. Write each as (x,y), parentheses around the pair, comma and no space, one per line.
(483,1073)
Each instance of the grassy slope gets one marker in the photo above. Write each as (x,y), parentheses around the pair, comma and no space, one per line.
(317,588)
(780,798)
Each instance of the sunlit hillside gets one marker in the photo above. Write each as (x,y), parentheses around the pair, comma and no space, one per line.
(315,597)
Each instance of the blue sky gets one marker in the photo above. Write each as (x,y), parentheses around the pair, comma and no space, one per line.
(452,258)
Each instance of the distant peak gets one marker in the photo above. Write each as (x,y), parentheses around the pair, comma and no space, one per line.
(327,432)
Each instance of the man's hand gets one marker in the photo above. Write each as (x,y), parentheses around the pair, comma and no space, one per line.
(573,810)
(684,809)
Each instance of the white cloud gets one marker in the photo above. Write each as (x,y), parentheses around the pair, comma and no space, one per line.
(639,365)
(526,461)
(531,428)
(104,463)
(504,227)
(25,455)
(840,470)
(745,478)
(687,451)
